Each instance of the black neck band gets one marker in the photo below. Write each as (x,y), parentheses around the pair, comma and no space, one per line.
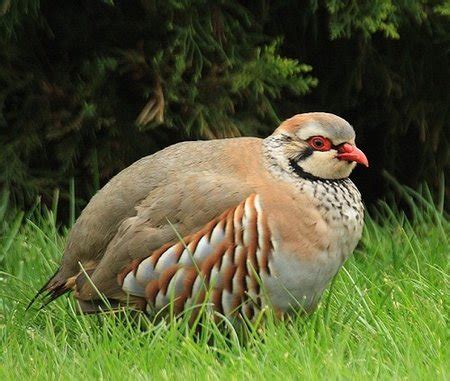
(299,171)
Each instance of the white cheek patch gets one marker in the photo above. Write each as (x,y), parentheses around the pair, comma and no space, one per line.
(326,166)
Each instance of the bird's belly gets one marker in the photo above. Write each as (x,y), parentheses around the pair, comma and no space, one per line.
(297,284)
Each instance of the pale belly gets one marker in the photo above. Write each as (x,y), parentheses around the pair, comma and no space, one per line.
(297,283)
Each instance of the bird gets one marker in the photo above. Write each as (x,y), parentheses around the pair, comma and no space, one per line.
(242,224)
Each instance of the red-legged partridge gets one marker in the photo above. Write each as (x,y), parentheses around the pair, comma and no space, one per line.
(242,222)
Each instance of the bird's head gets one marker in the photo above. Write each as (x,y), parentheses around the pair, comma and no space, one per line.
(315,146)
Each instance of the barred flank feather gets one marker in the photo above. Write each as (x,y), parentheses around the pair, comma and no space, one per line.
(223,260)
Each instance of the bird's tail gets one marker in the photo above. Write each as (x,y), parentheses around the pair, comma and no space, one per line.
(56,286)
(60,284)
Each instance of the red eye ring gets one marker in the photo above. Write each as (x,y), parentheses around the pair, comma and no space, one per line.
(319,143)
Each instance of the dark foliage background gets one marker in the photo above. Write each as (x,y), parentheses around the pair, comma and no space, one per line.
(87,87)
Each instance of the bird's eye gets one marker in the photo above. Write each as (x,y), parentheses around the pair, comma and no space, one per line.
(319,143)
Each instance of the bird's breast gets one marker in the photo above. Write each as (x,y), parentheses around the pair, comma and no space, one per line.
(300,272)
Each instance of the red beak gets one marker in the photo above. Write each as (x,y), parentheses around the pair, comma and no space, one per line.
(352,153)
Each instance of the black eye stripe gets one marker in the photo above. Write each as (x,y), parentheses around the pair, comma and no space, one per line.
(308,151)
(336,147)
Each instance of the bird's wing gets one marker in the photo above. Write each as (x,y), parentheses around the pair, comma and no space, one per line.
(181,208)
(188,183)
(224,259)
(156,180)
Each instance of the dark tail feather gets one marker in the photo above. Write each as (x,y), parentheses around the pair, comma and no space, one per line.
(59,284)
(50,291)
(54,294)
(41,291)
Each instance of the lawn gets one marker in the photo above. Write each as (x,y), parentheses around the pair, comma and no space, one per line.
(385,316)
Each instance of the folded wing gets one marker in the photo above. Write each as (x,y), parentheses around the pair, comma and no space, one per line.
(222,263)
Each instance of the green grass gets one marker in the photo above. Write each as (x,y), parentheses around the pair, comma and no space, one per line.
(384,317)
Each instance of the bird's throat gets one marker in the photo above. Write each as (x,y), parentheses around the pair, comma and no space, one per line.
(299,171)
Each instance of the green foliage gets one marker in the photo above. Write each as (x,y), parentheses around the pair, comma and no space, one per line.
(351,17)
(385,317)
(85,98)
(347,17)
(15,11)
